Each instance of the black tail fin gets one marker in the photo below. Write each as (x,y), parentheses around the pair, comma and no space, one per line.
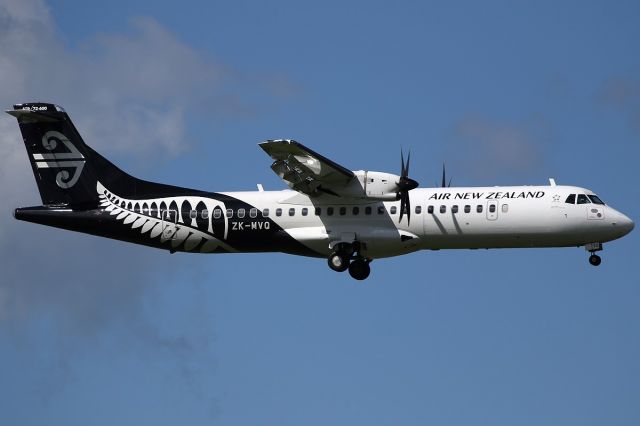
(65,168)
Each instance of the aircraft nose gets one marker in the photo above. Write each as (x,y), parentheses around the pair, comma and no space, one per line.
(626,224)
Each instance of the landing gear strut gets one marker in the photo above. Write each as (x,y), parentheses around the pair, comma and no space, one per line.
(592,248)
(347,256)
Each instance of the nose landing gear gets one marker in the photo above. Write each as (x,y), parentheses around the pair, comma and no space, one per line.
(592,248)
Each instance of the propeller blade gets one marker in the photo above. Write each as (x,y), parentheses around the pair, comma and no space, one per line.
(444,179)
(406,172)
(402,171)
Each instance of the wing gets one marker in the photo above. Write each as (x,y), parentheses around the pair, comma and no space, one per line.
(305,170)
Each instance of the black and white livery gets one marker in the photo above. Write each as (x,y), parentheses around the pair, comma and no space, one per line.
(348,217)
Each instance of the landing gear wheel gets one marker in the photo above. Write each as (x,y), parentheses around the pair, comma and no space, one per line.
(359,269)
(338,262)
(595,260)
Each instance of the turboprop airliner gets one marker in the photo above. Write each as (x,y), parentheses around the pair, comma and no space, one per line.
(348,217)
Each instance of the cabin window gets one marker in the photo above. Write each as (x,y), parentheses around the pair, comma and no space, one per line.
(305,211)
(479,208)
(229,213)
(380,209)
(595,199)
(355,211)
(343,211)
(367,210)
(204,214)
(582,199)
(571,199)
(467,208)
(193,214)
(418,209)
(393,209)
(240,213)
(253,213)
(492,208)
(292,211)
(454,209)
(505,208)
(443,209)
(145,209)
(278,212)
(329,211)
(217,213)
(318,211)
(430,209)
(265,213)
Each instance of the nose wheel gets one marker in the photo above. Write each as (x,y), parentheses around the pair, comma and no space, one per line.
(592,248)
(595,260)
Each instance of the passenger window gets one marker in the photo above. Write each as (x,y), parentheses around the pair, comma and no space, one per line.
(443,209)
(571,199)
(479,208)
(393,210)
(367,210)
(217,213)
(253,213)
(356,211)
(418,209)
(240,213)
(430,209)
(380,209)
(467,208)
(505,208)
(305,211)
(193,214)
(292,211)
(454,209)
(582,199)
(265,213)
(343,211)
(278,212)
(492,208)
(204,214)
(318,211)
(229,213)
(329,211)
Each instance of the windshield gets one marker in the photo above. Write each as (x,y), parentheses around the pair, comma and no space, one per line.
(595,199)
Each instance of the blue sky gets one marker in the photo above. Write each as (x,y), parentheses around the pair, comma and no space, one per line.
(95,331)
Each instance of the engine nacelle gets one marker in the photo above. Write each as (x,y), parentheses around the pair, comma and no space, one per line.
(377,185)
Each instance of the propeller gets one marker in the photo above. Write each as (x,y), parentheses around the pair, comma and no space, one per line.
(405,184)
(444,179)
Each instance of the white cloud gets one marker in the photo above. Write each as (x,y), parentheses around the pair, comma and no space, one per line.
(127,92)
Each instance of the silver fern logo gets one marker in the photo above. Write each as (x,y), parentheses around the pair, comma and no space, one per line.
(72,160)
(155,219)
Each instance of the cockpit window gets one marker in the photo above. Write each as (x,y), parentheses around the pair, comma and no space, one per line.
(582,199)
(595,199)
(571,199)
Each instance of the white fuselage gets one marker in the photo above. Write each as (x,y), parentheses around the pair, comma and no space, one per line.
(441,218)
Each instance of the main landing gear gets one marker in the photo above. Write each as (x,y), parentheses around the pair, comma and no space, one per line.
(592,248)
(347,256)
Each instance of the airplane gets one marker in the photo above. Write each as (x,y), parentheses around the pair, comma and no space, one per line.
(348,217)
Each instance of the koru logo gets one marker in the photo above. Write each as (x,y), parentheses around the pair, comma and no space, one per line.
(72,160)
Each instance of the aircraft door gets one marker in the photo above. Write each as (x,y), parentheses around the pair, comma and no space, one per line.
(492,210)
(169,224)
